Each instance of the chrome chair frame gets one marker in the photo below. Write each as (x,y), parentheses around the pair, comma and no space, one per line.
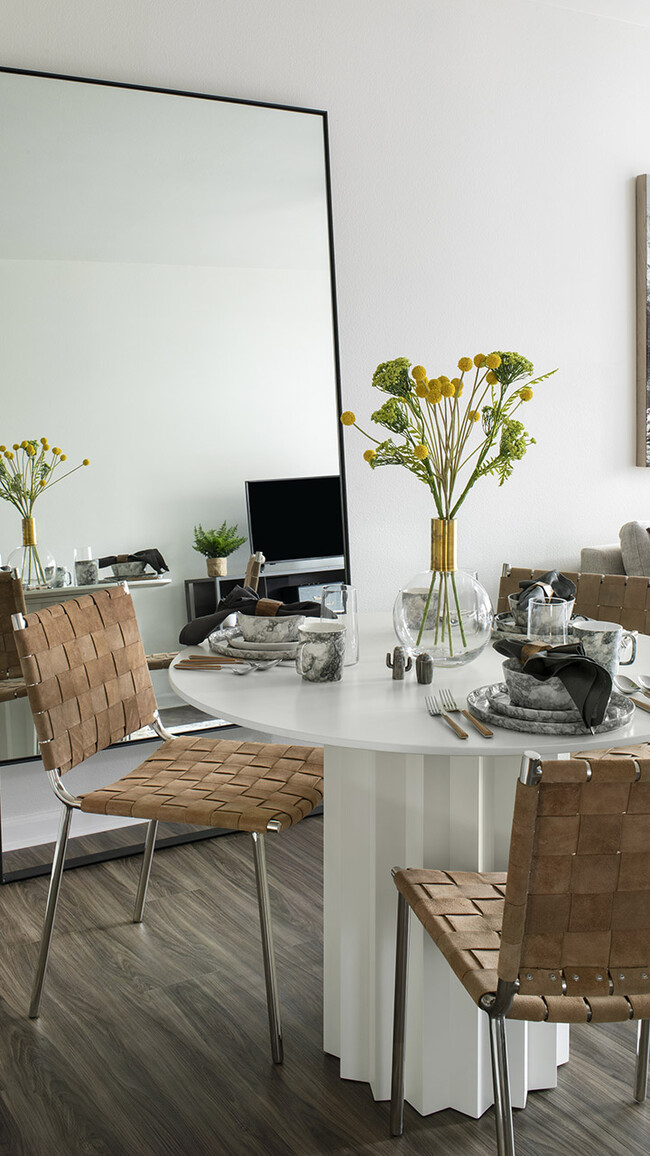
(496,1007)
(71,803)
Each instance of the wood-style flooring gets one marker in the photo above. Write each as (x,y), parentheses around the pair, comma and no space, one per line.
(153,1038)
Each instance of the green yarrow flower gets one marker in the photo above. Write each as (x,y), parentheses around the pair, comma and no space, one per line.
(392,416)
(513,366)
(393,377)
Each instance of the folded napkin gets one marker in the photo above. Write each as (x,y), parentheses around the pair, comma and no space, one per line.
(549,585)
(245,601)
(586,681)
(151,558)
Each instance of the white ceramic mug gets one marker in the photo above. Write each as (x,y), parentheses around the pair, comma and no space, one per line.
(321,650)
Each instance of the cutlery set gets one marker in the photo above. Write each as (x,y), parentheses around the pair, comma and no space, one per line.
(236,665)
(443,705)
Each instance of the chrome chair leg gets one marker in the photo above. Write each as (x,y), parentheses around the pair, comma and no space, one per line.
(272,999)
(50,911)
(501,1082)
(145,870)
(642,1054)
(399,1018)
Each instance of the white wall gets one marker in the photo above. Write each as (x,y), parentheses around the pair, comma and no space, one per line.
(484,154)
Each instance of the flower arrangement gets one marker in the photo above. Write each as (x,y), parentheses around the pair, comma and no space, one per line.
(438,420)
(436,427)
(26,471)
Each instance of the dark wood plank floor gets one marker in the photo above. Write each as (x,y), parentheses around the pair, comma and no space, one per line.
(153,1039)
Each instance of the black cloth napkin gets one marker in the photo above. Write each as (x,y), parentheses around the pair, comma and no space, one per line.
(587,682)
(243,599)
(150,557)
(549,585)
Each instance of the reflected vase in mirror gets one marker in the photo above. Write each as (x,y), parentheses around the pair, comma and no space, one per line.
(33,562)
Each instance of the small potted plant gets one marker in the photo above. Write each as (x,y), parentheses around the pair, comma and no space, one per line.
(216,545)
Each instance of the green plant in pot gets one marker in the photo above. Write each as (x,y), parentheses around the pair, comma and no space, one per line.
(216,545)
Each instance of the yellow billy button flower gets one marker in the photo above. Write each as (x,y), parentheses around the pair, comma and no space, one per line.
(30,451)
(46,445)
(526,393)
(43,441)
(370,455)
(64,457)
(15,446)
(493,361)
(86,462)
(57,452)
(422,389)
(491,377)
(23,445)
(465,364)
(419,373)
(435,392)
(473,415)
(2,449)
(43,482)
(8,454)
(479,360)
(448,389)
(348,418)
(420,452)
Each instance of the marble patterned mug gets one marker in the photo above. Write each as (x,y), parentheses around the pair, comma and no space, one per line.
(603,641)
(321,650)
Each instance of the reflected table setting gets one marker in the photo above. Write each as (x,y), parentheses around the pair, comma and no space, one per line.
(401,790)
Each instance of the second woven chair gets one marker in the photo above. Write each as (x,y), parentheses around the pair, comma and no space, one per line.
(565,936)
(88,685)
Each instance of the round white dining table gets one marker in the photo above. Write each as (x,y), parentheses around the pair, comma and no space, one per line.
(402,790)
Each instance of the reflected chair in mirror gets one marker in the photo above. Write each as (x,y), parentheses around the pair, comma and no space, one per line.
(622,598)
(564,937)
(89,686)
(253,569)
(12,601)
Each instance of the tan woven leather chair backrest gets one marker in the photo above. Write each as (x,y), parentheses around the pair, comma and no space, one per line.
(12,601)
(608,597)
(577,908)
(87,677)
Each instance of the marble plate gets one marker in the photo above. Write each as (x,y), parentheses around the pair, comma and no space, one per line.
(487,702)
(220,642)
(263,648)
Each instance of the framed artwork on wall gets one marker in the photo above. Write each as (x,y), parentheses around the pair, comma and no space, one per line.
(643,321)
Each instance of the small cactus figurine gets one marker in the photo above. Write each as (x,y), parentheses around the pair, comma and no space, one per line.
(399,663)
(424,668)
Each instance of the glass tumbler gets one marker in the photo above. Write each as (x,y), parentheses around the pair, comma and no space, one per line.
(549,621)
(341,600)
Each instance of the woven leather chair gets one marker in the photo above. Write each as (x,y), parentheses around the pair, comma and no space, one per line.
(89,686)
(565,935)
(619,598)
(12,601)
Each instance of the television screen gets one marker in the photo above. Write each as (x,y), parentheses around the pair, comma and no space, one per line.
(294,518)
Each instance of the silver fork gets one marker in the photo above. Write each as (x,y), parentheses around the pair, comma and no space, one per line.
(449,703)
(434,708)
(251,666)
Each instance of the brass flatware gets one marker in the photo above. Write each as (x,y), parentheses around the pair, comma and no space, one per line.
(449,703)
(436,711)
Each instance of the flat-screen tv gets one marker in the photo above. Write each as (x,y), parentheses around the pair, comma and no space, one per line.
(291,519)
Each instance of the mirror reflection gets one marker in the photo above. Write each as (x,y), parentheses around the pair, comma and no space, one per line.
(166,294)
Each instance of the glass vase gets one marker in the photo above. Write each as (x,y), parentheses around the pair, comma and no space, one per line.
(34,564)
(444,611)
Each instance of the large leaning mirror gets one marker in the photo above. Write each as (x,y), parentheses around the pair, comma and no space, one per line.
(167,303)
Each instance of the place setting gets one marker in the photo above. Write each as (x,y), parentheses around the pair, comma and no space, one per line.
(560,672)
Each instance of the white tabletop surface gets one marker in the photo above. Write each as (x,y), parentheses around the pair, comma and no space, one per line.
(367,709)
